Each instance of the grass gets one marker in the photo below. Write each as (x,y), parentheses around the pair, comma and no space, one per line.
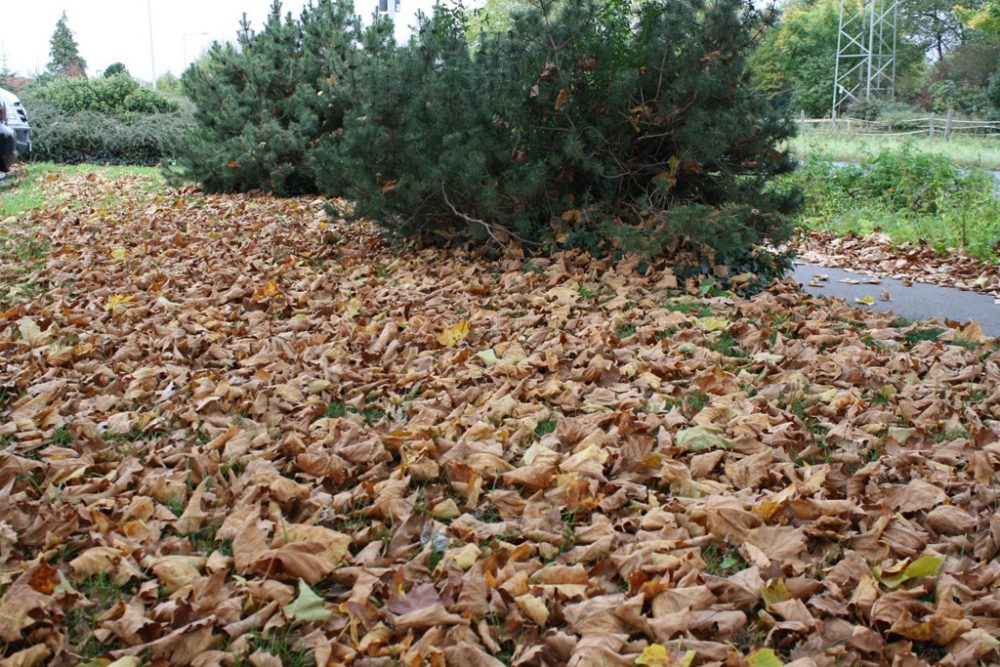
(104,593)
(910,195)
(964,151)
(24,190)
(545,427)
(722,562)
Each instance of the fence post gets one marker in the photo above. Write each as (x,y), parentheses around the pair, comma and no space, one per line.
(930,127)
(802,121)
(947,124)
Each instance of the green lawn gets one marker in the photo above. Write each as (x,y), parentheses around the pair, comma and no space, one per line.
(24,189)
(980,152)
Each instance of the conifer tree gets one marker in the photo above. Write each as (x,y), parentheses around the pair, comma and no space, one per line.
(64,52)
(606,124)
(261,105)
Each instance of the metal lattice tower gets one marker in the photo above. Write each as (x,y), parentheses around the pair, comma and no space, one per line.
(866,53)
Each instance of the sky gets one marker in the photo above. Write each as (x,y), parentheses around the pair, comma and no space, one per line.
(118,30)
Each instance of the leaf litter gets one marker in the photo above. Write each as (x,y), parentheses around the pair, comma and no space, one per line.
(234,432)
(877,254)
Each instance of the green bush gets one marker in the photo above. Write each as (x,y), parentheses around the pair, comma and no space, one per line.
(74,137)
(584,125)
(262,104)
(587,124)
(118,94)
(908,194)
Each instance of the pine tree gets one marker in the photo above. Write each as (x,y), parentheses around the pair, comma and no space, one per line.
(604,124)
(64,52)
(5,73)
(262,104)
(586,124)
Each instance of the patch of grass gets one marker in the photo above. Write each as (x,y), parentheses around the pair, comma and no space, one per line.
(947,435)
(26,189)
(176,505)
(920,335)
(727,346)
(695,308)
(625,330)
(696,403)
(104,593)
(965,343)
(750,637)
(545,427)
(964,151)
(335,410)
(585,294)
(62,437)
(278,644)
(910,195)
(663,334)
(202,540)
(722,561)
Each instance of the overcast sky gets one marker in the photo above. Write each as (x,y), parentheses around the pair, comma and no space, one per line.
(118,30)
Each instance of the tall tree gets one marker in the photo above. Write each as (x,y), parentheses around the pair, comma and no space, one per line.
(114,69)
(935,25)
(65,52)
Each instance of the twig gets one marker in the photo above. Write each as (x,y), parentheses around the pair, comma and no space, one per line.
(485,225)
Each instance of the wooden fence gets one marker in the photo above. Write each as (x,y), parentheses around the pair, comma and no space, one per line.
(931,126)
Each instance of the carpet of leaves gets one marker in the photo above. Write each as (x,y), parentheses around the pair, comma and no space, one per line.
(236,431)
(879,255)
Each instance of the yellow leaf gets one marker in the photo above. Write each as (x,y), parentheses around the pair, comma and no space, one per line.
(764,657)
(656,655)
(267,290)
(866,300)
(118,300)
(701,438)
(307,607)
(927,566)
(774,592)
(712,323)
(454,335)
(119,253)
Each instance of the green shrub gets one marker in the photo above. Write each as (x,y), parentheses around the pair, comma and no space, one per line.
(86,136)
(908,194)
(261,105)
(587,124)
(118,94)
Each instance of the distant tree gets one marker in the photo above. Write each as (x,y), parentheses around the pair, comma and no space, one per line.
(168,84)
(114,69)
(795,61)
(5,73)
(64,52)
(935,25)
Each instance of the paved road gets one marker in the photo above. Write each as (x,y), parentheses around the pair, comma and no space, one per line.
(919,301)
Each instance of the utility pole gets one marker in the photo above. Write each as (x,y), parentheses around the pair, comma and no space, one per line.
(152,51)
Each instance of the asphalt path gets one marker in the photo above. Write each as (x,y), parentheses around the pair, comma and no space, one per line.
(916,302)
